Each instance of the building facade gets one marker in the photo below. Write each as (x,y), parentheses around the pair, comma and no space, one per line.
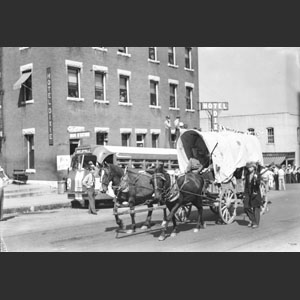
(56,98)
(261,86)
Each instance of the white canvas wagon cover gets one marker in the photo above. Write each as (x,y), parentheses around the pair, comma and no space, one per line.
(233,150)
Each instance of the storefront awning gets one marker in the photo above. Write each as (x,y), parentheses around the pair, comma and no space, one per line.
(21,80)
(277,160)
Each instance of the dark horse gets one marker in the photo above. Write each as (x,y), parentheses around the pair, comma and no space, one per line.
(190,189)
(133,187)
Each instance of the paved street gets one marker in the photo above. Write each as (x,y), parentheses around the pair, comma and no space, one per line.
(74,230)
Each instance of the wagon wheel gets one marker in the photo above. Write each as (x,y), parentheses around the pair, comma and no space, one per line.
(264,208)
(228,204)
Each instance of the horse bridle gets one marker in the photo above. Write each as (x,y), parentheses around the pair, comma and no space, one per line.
(155,176)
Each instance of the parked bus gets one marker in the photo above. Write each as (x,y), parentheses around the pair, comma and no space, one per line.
(135,157)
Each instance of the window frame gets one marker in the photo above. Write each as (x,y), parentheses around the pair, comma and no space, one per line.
(270,137)
(156,81)
(127,76)
(174,64)
(101,70)
(174,83)
(26,69)
(79,67)
(125,53)
(191,87)
(190,58)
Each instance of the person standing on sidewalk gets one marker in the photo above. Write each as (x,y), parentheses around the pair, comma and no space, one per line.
(89,183)
(4,180)
(253,198)
(281,179)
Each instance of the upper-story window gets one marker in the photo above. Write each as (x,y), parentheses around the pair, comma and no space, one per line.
(188,58)
(73,82)
(171,56)
(154,82)
(152,53)
(99,85)
(123,51)
(271,137)
(189,97)
(74,70)
(173,94)
(24,83)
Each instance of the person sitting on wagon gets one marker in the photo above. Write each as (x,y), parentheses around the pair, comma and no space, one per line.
(194,164)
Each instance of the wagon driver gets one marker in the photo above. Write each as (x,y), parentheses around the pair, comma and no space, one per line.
(253,198)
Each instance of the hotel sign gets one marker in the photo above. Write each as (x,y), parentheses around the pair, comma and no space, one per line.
(214,109)
(49,107)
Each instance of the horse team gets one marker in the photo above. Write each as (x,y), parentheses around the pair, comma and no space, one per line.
(133,188)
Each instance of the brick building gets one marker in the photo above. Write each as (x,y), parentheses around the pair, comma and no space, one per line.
(113,95)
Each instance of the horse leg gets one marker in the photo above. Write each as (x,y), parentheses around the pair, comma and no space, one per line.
(164,217)
(118,220)
(132,215)
(169,218)
(147,224)
(174,231)
(200,223)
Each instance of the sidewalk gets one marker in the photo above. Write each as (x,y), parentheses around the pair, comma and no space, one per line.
(32,197)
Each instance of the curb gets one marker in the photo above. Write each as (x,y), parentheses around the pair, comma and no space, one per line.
(36,208)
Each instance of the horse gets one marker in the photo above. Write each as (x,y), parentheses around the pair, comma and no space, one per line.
(190,188)
(132,187)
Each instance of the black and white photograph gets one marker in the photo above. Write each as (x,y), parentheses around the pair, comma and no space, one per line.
(149,149)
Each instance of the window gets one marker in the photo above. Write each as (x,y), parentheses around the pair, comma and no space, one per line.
(125,139)
(173,95)
(189,97)
(298,135)
(188,58)
(26,89)
(155,139)
(124,89)
(271,138)
(73,82)
(29,139)
(123,50)
(100,86)
(152,53)
(140,140)
(102,138)
(74,70)
(153,93)
(171,55)
(251,131)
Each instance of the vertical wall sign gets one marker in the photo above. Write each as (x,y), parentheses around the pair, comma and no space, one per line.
(49,107)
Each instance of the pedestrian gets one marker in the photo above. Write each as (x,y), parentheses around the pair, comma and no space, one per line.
(253,198)
(168,141)
(177,129)
(281,178)
(4,181)
(298,175)
(288,174)
(276,180)
(89,183)
(294,174)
